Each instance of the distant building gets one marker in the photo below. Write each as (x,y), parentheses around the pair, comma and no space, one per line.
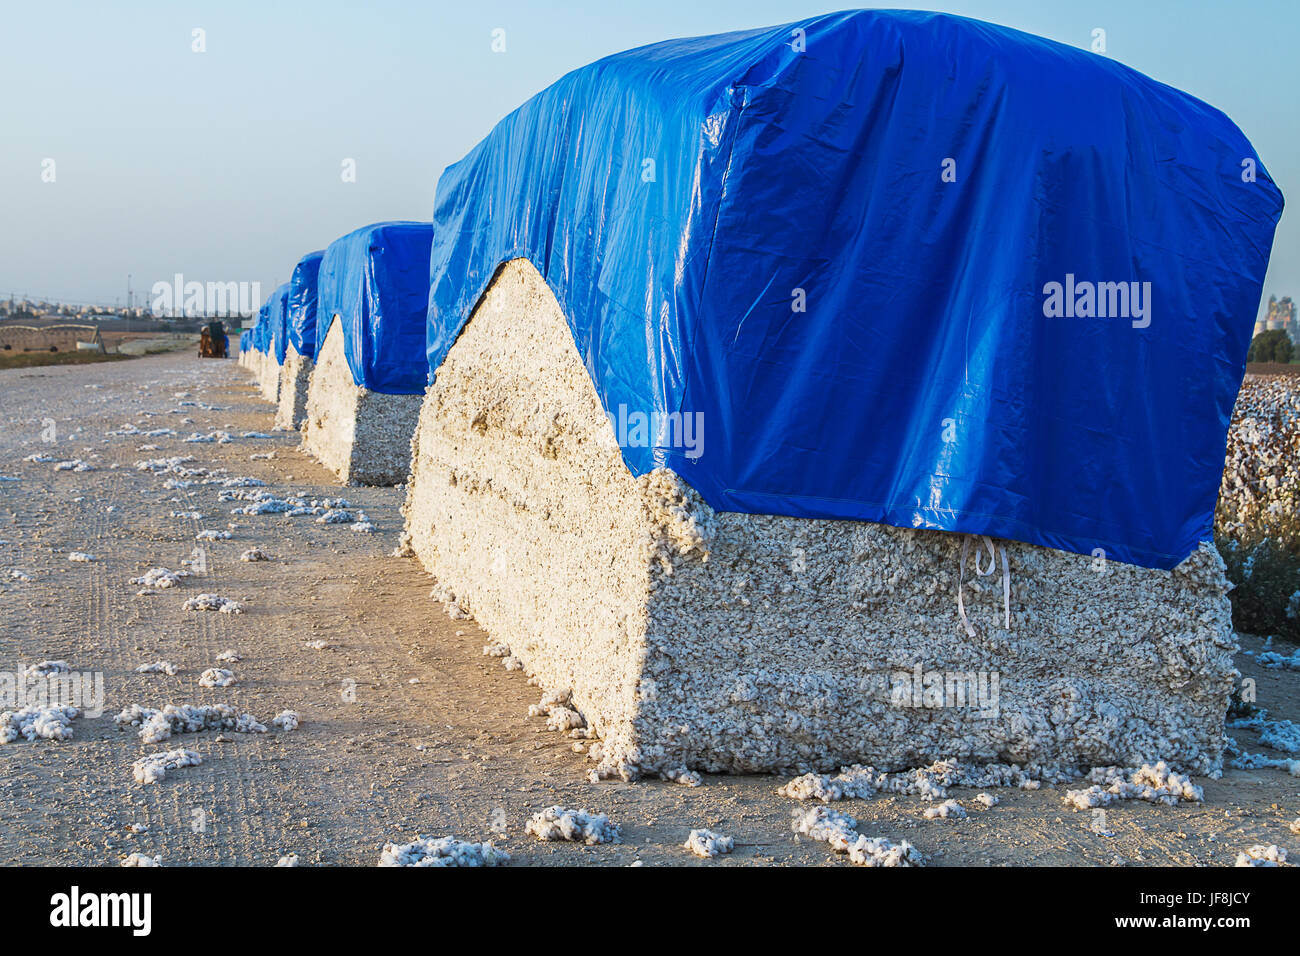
(1281,314)
(60,337)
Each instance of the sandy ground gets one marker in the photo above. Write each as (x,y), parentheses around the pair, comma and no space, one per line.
(438,740)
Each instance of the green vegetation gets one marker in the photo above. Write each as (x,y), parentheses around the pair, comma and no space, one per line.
(1274,346)
(1265,575)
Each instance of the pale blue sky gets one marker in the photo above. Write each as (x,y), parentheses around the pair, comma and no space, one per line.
(225,165)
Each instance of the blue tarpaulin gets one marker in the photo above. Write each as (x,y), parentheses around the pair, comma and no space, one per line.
(262,328)
(301,318)
(376,281)
(866,254)
(245,341)
(278,317)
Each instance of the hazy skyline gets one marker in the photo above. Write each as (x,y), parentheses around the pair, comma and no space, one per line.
(225,165)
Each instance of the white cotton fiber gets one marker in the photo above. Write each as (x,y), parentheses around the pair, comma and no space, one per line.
(45,669)
(336,516)
(680,775)
(1156,784)
(708,844)
(839,830)
(213,602)
(932,782)
(159,667)
(159,725)
(443,851)
(575,826)
(1260,855)
(155,766)
(160,578)
(217,677)
(941,811)
(32,722)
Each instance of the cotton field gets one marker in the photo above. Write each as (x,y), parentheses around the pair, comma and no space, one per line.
(1261,479)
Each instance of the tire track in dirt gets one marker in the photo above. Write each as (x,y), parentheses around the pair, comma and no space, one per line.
(226,792)
(181,813)
(133,495)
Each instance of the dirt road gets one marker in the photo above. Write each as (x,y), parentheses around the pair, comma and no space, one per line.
(406,728)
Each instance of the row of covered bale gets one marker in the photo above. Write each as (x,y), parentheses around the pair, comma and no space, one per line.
(345,350)
(767,445)
(263,361)
(299,339)
(370,372)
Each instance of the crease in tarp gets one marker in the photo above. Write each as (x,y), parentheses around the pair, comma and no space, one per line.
(301,304)
(278,320)
(262,328)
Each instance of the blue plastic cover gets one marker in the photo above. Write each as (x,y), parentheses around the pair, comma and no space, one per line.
(262,328)
(831,245)
(376,280)
(245,341)
(302,304)
(278,316)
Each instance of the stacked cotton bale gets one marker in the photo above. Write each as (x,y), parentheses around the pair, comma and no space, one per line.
(735,642)
(277,344)
(254,343)
(257,339)
(300,334)
(914,532)
(364,397)
(295,376)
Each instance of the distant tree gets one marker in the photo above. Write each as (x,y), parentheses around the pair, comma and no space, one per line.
(1274,346)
